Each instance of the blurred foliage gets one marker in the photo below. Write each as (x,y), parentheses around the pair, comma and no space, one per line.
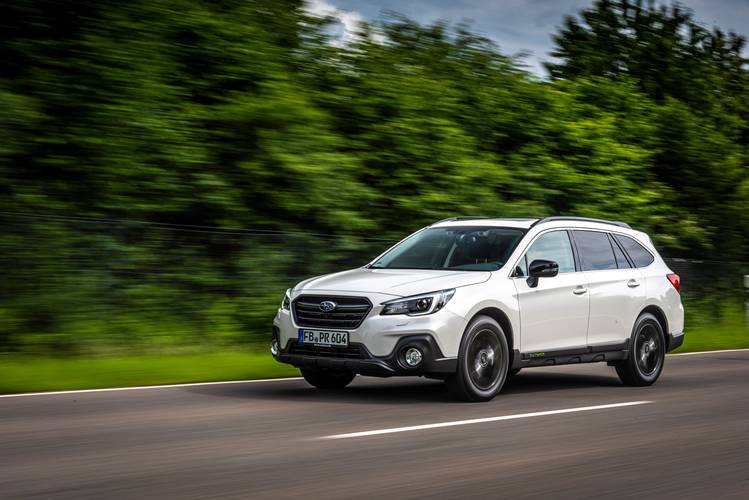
(168,168)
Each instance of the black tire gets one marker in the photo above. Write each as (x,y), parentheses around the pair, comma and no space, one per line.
(327,379)
(483,362)
(647,352)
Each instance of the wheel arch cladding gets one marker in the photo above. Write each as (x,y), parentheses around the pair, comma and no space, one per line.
(660,316)
(500,317)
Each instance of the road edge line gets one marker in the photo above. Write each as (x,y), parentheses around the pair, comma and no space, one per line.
(249,381)
(146,387)
(693,353)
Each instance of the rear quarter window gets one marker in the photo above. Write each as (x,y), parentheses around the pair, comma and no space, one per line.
(638,254)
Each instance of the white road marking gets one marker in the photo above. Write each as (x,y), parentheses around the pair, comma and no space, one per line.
(481,420)
(143,387)
(707,352)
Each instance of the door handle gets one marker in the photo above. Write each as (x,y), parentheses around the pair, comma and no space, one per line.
(579,290)
(633,283)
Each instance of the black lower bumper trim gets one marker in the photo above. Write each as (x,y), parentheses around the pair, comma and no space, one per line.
(674,341)
(433,362)
(372,367)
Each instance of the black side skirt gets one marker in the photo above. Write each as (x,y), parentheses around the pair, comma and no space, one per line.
(594,354)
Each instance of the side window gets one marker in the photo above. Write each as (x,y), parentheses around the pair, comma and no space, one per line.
(595,250)
(555,246)
(639,255)
(621,260)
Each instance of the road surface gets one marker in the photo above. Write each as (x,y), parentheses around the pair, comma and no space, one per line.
(571,432)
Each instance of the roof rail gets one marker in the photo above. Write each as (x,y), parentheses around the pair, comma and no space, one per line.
(580,219)
(450,219)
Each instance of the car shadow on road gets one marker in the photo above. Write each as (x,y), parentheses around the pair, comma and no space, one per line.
(398,391)
(530,381)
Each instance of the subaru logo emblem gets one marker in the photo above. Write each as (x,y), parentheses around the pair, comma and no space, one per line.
(327,305)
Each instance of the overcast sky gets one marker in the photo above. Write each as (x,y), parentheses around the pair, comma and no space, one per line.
(516,25)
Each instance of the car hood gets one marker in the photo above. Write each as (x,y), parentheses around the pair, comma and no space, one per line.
(396,282)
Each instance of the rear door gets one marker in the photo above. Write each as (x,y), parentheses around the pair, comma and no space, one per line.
(553,314)
(616,289)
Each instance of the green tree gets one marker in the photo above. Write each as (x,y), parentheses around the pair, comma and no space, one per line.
(699,80)
(168,168)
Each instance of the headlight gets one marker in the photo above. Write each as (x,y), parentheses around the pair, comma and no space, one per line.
(418,305)
(286,304)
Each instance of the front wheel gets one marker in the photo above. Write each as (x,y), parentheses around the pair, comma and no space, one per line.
(647,352)
(483,362)
(327,379)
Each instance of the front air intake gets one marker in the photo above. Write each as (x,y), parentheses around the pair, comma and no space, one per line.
(347,313)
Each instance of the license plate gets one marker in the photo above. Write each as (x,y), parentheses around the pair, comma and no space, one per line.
(323,337)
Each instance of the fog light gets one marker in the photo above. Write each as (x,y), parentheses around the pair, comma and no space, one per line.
(413,357)
(274,346)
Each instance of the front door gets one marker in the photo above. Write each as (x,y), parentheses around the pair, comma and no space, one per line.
(553,314)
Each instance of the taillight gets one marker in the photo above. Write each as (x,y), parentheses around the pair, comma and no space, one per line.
(675,280)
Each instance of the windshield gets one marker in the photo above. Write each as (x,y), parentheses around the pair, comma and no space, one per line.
(465,248)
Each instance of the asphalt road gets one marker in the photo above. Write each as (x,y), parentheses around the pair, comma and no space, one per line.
(688,438)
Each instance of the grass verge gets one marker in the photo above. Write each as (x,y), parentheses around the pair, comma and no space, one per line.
(33,374)
(725,335)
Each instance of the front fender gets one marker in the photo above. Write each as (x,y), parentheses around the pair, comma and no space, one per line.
(471,300)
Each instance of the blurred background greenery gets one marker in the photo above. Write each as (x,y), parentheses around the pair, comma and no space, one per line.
(168,169)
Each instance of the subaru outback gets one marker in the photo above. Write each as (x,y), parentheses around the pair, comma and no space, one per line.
(472,301)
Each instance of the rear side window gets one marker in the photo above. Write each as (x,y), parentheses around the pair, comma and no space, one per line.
(595,250)
(637,253)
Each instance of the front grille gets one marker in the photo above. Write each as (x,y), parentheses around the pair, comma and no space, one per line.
(353,351)
(347,315)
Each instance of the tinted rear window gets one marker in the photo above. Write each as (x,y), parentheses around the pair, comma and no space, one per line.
(637,253)
(595,250)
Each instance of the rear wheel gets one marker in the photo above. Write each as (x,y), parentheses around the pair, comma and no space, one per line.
(647,352)
(483,362)
(327,379)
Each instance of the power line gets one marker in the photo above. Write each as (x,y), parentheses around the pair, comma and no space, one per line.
(181,227)
(239,231)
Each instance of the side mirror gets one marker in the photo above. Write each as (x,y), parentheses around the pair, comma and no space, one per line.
(541,268)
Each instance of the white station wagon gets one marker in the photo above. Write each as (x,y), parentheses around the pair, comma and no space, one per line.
(473,301)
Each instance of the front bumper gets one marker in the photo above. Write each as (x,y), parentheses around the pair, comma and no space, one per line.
(379,342)
(359,360)
(380,334)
